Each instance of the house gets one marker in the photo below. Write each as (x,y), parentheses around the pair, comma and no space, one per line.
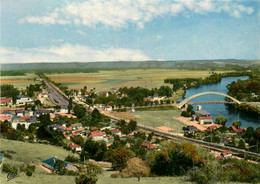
(116,132)
(212,127)
(44,95)
(97,135)
(85,132)
(106,127)
(21,100)
(50,164)
(66,136)
(225,154)
(64,109)
(108,108)
(235,129)
(28,113)
(76,126)
(147,145)
(204,117)
(77,132)
(4,117)
(105,93)
(190,129)
(79,92)
(20,113)
(75,146)
(86,94)
(62,123)
(93,128)
(6,101)
(70,128)
(226,140)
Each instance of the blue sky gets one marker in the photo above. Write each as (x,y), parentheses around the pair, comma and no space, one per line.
(128,30)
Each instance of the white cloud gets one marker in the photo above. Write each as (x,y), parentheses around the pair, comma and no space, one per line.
(69,53)
(81,32)
(119,13)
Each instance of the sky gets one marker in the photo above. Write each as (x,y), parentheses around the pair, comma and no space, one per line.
(128,30)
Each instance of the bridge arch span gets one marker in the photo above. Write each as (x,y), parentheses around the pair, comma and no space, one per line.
(207,93)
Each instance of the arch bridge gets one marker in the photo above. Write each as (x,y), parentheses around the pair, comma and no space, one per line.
(207,93)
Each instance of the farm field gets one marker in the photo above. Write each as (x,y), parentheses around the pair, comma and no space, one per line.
(107,79)
(159,118)
(21,82)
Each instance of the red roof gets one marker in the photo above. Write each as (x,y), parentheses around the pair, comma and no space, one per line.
(236,130)
(205,117)
(64,135)
(12,109)
(69,128)
(62,127)
(116,131)
(147,145)
(73,145)
(5,100)
(86,93)
(77,132)
(25,118)
(108,106)
(212,127)
(4,117)
(226,152)
(93,128)
(96,133)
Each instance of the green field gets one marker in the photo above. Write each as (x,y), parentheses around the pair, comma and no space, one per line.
(20,82)
(107,79)
(159,118)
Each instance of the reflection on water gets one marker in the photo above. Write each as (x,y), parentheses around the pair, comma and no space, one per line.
(230,113)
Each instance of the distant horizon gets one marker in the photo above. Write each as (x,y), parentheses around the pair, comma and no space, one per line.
(138,61)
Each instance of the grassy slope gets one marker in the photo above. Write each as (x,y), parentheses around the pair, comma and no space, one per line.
(33,153)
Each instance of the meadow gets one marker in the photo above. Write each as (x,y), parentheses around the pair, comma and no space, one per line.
(156,118)
(20,82)
(107,79)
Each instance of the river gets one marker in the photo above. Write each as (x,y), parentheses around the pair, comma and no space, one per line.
(230,113)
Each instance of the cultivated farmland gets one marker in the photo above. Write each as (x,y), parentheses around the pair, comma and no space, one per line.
(107,79)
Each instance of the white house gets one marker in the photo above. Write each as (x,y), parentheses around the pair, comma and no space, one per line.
(108,108)
(116,132)
(21,100)
(75,146)
(98,135)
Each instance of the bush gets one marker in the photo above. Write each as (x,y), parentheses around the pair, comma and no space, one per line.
(136,167)
(29,169)
(71,158)
(8,168)
(7,155)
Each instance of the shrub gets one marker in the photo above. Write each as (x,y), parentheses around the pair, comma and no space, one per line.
(8,168)
(136,167)
(71,158)
(29,169)
(7,155)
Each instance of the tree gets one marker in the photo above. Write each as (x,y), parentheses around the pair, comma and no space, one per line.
(237,124)
(79,110)
(90,174)
(119,157)
(70,105)
(78,140)
(14,99)
(220,120)
(241,144)
(59,166)
(132,125)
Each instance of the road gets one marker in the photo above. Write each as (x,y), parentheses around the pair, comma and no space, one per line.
(56,95)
